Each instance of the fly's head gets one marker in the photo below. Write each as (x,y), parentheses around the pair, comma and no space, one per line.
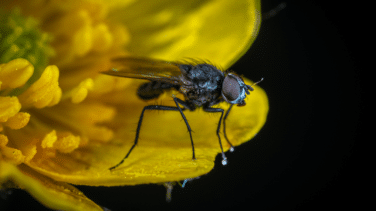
(234,90)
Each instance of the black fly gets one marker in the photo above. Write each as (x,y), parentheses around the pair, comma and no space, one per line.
(203,85)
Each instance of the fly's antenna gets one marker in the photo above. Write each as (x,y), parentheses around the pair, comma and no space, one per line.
(250,86)
(257,82)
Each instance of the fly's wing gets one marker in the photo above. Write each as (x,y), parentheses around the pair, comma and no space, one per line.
(145,68)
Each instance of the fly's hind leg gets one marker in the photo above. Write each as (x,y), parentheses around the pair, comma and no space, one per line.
(149,107)
(162,108)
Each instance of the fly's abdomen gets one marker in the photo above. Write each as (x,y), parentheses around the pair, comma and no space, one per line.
(153,89)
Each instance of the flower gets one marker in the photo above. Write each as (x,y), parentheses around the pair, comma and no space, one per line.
(62,122)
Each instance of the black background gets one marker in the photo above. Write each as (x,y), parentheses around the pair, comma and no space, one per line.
(305,156)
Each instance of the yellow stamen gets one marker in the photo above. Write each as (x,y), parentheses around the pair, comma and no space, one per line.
(15,73)
(9,106)
(18,121)
(12,155)
(102,38)
(105,84)
(67,142)
(79,93)
(82,40)
(3,140)
(45,91)
(84,119)
(49,140)
(121,35)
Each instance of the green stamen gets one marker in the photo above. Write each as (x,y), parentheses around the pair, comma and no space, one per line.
(20,37)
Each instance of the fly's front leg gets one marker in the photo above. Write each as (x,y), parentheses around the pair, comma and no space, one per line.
(214,110)
(224,128)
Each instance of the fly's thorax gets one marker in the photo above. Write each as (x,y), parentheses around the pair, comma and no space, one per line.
(202,84)
(201,76)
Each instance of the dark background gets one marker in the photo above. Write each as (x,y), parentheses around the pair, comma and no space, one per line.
(305,157)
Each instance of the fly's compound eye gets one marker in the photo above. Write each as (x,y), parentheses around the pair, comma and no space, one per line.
(231,89)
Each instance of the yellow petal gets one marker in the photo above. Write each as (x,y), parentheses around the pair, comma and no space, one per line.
(15,73)
(217,31)
(164,151)
(52,194)
(45,91)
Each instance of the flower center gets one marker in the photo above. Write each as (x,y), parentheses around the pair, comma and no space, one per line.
(21,38)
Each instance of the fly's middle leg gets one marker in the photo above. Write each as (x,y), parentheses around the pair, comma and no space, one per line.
(183,103)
